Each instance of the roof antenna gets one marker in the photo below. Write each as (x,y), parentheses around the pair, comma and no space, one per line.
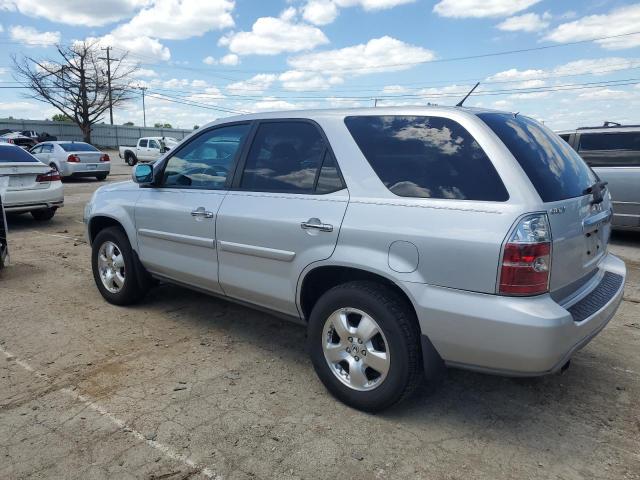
(459,104)
(611,124)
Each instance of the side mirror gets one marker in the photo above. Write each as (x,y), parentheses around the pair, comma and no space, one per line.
(142,174)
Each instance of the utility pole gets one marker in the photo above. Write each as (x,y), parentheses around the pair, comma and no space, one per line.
(144,112)
(109,60)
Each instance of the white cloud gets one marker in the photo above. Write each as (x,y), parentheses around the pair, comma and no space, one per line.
(209,60)
(271,36)
(618,22)
(255,85)
(230,59)
(320,12)
(298,81)
(272,104)
(145,73)
(481,8)
(591,66)
(323,12)
(75,12)
(179,19)
(377,55)
(528,22)
(33,38)
(209,95)
(140,47)
(394,89)
(198,84)
(605,94)
(176,83)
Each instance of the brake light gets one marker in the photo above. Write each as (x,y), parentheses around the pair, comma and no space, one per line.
(52,176)
(11,140)
(73,158)
(526,261)
(105,158)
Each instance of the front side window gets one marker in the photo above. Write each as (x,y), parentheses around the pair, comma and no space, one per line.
(428,157)
(153,144)
(206,160)
(284,157)
(143,143)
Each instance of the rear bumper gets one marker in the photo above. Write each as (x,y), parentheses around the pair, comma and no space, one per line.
(36,199)
(84,169)
(513,335)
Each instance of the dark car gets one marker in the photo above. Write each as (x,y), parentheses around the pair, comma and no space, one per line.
(4,249)
(20,140)
(613,151)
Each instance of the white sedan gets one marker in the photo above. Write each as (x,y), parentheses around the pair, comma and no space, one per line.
(32,187)
(73,159)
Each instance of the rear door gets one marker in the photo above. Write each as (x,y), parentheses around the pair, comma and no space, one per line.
(153,150)
(615,157)
(580,220)
(284,213)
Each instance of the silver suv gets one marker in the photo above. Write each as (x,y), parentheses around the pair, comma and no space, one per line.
(405,239)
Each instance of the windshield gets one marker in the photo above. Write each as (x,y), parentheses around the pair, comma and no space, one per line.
(78,147)
(556,171)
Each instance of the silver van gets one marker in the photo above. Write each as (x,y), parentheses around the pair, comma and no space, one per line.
(613,151)
(404,239)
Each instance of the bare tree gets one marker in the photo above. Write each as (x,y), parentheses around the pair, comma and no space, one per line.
(77,84)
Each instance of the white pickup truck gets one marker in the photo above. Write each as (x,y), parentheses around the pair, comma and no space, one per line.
(148,149)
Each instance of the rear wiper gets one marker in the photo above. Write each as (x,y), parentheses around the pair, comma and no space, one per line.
(597,190)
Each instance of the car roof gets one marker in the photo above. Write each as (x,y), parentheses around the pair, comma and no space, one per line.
(621,128)
(417,110)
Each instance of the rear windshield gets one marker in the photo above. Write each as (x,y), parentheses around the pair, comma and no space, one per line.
(9,154)
(78,147)
(430,157)
(556,171)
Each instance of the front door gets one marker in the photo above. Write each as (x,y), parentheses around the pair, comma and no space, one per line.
(175,221)
(284,213)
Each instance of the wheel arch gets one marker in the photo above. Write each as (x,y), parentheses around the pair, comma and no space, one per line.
(318,279)
(100,222)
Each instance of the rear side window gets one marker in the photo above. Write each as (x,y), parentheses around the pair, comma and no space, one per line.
(77,147)
(429,157)
(284,157)
(610,141)
(565,137)
(47,148)
(556,171)
(10,154)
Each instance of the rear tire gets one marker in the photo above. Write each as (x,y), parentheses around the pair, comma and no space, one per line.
(101,177)
(43,214)
(373,386)
(130,159)
(115,269)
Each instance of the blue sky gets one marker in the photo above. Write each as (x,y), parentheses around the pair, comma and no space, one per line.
(220,56)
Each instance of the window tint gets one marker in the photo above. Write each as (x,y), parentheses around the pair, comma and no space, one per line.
(153,144)
(77,147)
(610,141)
(556,171)
(143,143)
(284,157)
(565,137)
(427,157)
(9,154)
(329,179)
(205,161)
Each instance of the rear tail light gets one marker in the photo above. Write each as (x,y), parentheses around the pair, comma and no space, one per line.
(52,176)
(11,140)
(105,158)
(73,158)
(526,261)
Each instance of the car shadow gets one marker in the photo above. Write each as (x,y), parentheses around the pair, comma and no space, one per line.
(464,397)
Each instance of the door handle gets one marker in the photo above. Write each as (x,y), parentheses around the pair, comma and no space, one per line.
(316,224)
(200,212)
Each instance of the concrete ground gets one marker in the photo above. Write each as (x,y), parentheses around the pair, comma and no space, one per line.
(188,386)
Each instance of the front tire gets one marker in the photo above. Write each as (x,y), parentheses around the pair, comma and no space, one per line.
(44,214)
(115,268)
(364,343)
